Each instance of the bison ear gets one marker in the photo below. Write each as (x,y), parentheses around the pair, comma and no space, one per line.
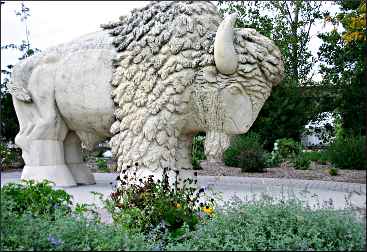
(225,57)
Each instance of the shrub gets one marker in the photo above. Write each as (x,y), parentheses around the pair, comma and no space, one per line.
(39,199)
(7,155)
(265,225)
(144,205)
(246,151)
(36,217)
(197,154)
(347,152)
(102,164)
(301,162)
(272,159)
(333,171)
(64,232)
(288,148)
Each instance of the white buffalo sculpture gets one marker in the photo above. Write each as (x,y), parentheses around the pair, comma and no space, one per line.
(150,81)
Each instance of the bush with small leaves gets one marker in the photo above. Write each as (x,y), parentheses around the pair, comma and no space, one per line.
(38,199)
(72,232)
(272,159)
(246,151)
(267,225)
(301,162)
(348,152)
(333,171)
(288,148)
(8,156)
(102,164)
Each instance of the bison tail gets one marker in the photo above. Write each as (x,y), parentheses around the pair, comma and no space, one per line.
(20,93)
(18,85)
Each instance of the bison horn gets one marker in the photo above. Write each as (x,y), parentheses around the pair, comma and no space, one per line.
(225,57)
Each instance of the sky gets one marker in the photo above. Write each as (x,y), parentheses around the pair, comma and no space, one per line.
(56,22)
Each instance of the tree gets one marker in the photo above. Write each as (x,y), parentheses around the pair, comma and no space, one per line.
(343,54)
(9,126)
(288,23)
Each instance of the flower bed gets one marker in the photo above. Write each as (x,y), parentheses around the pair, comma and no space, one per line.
(55,224)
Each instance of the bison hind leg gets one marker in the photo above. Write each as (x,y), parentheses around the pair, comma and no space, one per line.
(41,136)
(47,163)
(73,159)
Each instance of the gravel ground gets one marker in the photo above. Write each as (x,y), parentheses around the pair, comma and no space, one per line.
(316,172)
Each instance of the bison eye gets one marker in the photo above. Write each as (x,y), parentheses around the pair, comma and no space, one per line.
(234,90)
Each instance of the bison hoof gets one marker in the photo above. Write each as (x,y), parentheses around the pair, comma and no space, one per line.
(82,174)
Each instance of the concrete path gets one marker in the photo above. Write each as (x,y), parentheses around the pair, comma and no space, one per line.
(312,192)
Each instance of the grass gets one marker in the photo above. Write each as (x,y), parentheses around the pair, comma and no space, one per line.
(316,156)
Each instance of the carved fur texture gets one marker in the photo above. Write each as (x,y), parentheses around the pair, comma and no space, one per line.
(165,57)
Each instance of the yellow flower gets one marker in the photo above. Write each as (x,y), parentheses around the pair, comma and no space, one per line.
(178,205)
(208,210)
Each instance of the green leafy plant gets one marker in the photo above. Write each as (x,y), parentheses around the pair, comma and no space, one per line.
(8,156)
(39,199)
(72,232)
(348,152)
(246,151)
(268,225)
(316,156)
(235,226)
(301,162)
(145,205)
(333,171)
(288,148)
(102,164)
(273,158)
(197,153)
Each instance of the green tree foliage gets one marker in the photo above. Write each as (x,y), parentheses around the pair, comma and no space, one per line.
(288,23)
(9,125)
(343,55)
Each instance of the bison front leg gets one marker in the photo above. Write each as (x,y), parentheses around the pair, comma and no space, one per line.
(216,143)
(73,159)
(183,152)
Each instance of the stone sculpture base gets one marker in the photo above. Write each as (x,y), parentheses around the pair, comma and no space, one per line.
(62,175)
(59,174)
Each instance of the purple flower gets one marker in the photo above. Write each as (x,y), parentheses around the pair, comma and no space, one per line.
(54,240)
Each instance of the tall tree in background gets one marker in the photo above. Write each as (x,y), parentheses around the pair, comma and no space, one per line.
(9,126)
(343,54)
(288,24)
